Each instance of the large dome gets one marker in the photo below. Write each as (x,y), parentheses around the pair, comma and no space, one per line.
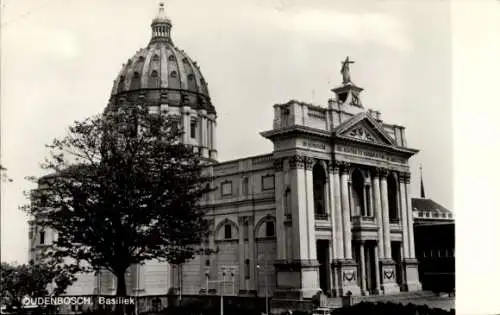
(161,70)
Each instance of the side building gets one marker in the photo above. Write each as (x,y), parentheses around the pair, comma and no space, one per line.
(434,244)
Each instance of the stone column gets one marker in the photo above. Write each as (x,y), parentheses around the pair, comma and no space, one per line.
(251,254)
(203,142)
(409,213)
(300,224)
(209,134)
(186,124)
(279,196)
(385,214)
(298,277)
(337,209)
(311,235)
(241,252)
(346,213)
(365,210)
(363,266)
(334,254)
(378,212)
(377,268)
(402,200)
(411,263)
(370,200)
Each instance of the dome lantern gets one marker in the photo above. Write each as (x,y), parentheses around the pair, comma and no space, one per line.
(161,26)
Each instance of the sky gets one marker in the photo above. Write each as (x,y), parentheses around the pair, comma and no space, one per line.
(60,57)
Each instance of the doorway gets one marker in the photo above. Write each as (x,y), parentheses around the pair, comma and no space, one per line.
(396,256)
(322,250)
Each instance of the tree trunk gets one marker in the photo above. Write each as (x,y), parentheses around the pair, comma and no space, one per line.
(121,293)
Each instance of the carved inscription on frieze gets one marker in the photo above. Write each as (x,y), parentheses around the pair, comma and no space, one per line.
(314,145)
(369,154)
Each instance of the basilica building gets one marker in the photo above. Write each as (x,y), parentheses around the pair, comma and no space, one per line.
(329,209)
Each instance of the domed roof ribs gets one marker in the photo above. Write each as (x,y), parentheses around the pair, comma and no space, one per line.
(161,26)
(179,57)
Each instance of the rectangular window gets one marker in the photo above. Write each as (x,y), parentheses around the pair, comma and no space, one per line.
(245,186)
(193,128)
(207,263)
(227,188)
(42,238)
(267,182)
(247,268)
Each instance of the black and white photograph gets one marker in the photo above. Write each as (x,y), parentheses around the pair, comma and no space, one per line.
(247,157)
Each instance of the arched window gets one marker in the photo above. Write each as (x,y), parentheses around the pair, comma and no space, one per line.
(171,58)
(319,181)
(270,229)
(358,193)
(121,83)
(156,58)
(173,74)
(136,81)
(154,81)
(392,194)
(228,231)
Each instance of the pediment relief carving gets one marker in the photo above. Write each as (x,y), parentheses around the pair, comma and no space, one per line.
(362,134)
(365,131)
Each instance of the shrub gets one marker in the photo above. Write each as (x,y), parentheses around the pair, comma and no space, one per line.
(390,309)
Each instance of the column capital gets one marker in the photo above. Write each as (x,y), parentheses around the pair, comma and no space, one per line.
(278,165)
(296,162)
(381,172)
(242,220)
(308,162)
(345,167)
(333,167)
(405,177)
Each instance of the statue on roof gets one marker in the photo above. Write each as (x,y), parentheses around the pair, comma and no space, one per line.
(345,71)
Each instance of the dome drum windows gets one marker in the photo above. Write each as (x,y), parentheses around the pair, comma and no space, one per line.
(171,58)
(173,74)
(155,58)
(193,128)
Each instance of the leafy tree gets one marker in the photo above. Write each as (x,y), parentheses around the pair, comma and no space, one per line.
(49,278)
(123,189)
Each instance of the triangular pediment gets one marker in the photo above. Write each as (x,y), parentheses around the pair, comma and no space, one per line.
(363,127)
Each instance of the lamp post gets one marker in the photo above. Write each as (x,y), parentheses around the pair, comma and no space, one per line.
(206,282)
(265,288)
(222,293)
